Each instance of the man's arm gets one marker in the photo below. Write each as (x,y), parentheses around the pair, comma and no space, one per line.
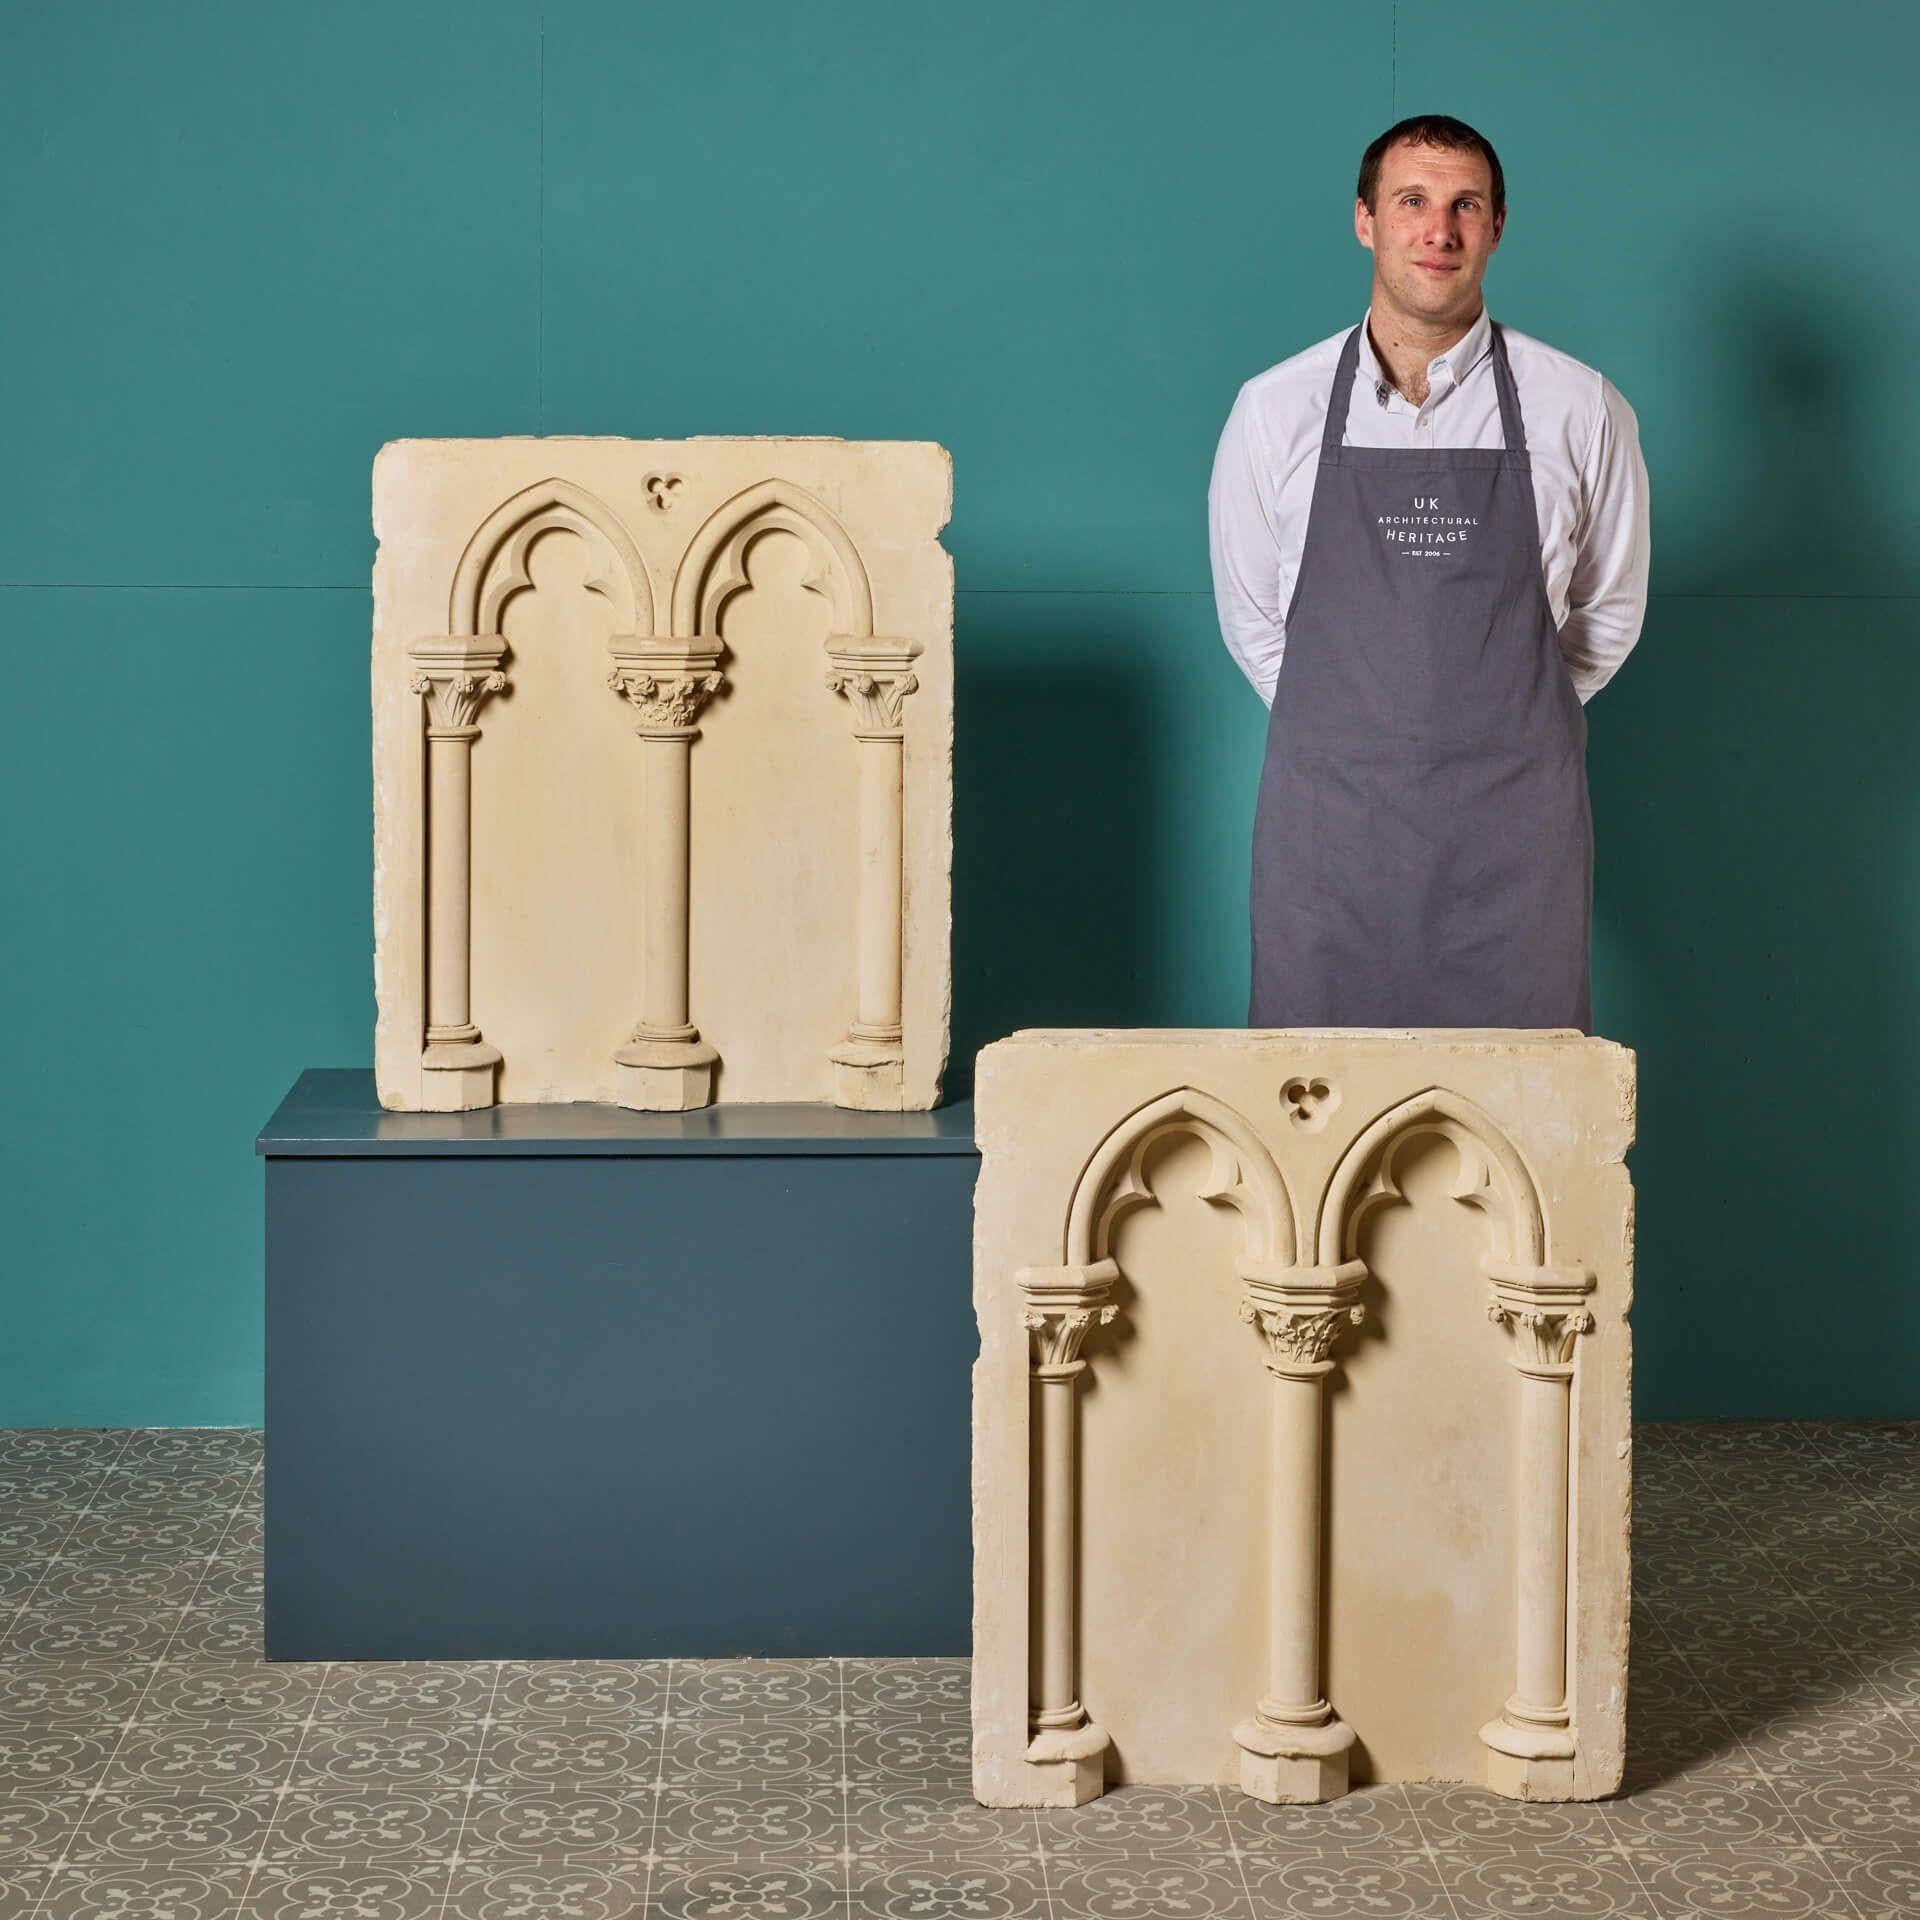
(1607,598)
(1246,554)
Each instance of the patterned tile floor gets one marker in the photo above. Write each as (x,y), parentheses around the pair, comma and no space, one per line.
(152,1767)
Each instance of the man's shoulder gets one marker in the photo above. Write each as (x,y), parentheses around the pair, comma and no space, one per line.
(1301,373)
(1535,363)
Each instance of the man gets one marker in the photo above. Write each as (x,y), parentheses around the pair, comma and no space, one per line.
(1430,546)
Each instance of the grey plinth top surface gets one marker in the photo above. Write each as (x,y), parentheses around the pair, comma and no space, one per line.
(331,1113)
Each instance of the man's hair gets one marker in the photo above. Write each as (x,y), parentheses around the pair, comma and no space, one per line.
(1431,130)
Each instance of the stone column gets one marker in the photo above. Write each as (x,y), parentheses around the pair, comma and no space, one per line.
(1061,1305)
(1531,1746)
(455,673)
(876,677)
(665,1066)
(1294,1748)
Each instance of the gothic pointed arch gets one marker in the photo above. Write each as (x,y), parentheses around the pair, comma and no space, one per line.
(714,567)
(494,566)
(1492,1177)
(1243,1176)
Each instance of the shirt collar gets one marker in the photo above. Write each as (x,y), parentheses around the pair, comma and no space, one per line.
(1455,364)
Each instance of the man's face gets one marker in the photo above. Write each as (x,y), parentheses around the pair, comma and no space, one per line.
(1432,231)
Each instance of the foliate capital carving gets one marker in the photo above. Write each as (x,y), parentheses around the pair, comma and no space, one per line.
(1302,1312)
(455,673)
(666,686)
(1545,1310)
(1060,1306)
(875,676)
(1300,1337)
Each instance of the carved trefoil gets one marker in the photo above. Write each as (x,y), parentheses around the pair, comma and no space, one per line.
(1272,1584)
(706,885)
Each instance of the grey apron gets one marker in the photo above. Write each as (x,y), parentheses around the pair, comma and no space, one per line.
(1422,845)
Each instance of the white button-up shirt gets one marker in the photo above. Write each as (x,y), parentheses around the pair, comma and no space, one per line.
(1589,485)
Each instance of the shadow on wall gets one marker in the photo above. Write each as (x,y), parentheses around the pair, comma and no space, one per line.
(1106,752)
(1758,865)
(1055,893)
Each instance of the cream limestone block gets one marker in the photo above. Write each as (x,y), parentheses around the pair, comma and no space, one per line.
(662,747)
(1301,1435)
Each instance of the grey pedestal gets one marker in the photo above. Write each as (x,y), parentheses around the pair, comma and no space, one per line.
(572,1382)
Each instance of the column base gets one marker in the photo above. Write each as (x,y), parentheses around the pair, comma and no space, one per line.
(456,1076)
(1068,1765)
(869,1078)
(1293,1766)
(1529,1761)
(665,1076)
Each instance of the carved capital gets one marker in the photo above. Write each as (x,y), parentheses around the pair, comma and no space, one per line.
(1300,1337)
(1060,1306)
(875,676)
(1545,1310)
(455,673)
(666,686)
(1302,1312)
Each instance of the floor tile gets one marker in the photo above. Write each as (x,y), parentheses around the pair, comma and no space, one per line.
(227,1687)
(1742,1883)
(34,1534)
(21,1889)
(150,1828)
(568,1753)
(751,1819)
(749,1689)
(580,1689)
(1368,1819)
(1183,1886)
(1857,1813)
(935,1688)
(718,1751)
(53,1755)
(721,1889)
(61,1446)
(195,1443)
(316,1826)
(172,1535)
(904,1751)
(954,1890)
(117,1581)
(940,1820)
(166,1892)
(556,1892)
(203,1757)
(409,1892)
(1740,1811)
(1588,1882)
(1370,1885)
(1809,1745)
(560,1824)
(36,1823)
(366,1756)
(216,1629)
(1462,1819)
(115,1633)
(89,1692)
(406,1690)
(1879,1882)
(1139,1820)
(38,1486)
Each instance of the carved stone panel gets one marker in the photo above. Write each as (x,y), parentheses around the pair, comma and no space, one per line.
(1301,1418)
(662,745)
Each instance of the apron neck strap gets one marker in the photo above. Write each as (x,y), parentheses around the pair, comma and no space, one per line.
(1512,428)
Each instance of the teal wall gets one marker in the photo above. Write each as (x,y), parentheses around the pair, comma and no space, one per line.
(244,245)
